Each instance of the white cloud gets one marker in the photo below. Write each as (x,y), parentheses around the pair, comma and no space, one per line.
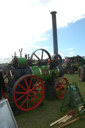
(23,22)
(69,49)
(72,52)
(67,52)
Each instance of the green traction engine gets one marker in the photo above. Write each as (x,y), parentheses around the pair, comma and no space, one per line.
(29,79)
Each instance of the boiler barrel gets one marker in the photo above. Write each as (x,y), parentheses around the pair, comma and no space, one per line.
(44,72)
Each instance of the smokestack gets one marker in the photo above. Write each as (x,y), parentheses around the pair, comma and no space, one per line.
(55,41)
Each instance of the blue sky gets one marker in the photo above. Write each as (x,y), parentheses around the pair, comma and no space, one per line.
(71,39)
(27,24)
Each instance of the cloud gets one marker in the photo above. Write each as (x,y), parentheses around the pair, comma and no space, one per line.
(69,49)
(5,60)
(41,2)
(67,52)
(24,22)
(72,52)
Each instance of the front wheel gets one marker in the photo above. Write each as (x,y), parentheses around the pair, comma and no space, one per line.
(59,86)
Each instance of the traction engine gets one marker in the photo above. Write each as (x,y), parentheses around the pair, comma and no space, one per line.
(29,80)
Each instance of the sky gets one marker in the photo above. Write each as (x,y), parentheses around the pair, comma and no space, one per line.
(27,24)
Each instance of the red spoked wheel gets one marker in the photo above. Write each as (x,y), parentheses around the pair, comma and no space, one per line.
(5,93)
(28,92)
(60,86)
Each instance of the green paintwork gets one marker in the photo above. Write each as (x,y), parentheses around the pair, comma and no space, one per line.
(44,72)
(22,61)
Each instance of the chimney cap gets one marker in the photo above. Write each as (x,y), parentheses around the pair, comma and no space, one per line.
(53,12)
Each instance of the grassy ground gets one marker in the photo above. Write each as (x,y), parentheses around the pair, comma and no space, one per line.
(42,116)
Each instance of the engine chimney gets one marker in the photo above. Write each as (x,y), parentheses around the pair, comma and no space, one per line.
(55,41)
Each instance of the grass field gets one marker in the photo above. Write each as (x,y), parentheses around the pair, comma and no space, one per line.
(42,116)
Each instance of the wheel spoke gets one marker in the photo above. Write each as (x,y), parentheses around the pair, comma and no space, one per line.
(32,100)
(20,98)
(23,102)
(64,84)
(42,55)
(37,87)
(37,57)
(35,84)
(30,82)
(22,87)
(38,92)
(26,83)
(36,97)
(61,95)
(27,101)
(20,92)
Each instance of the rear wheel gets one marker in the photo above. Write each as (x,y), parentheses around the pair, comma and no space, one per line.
(28,92)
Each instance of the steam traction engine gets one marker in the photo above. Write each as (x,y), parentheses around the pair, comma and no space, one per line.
(28,80)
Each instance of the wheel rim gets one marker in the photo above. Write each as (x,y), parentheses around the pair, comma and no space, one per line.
(60,86)
(6,94)
(28,92)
